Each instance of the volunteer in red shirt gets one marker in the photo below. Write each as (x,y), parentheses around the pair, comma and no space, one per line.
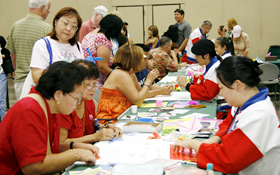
(25,129)
(78,126)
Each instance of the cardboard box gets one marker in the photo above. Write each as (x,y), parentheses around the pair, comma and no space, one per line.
(141,126)
(271,58)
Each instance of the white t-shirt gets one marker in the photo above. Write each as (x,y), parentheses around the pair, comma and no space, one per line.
(40,57)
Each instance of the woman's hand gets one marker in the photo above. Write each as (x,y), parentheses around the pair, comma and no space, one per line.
(166,90)
(152,75)
(87,146)
(104,134)
(178,146)
(86,156)
(118,131)
(182,81)
(187,143)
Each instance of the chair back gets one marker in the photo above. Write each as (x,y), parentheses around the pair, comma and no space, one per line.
(97,95)
(270,72)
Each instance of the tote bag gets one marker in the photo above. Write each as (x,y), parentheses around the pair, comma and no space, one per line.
(28,83)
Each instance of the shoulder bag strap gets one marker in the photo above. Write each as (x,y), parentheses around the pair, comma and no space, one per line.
(49,47)
(41,102)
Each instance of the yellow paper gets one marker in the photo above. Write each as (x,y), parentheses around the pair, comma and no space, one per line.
(173,120)
(152,105)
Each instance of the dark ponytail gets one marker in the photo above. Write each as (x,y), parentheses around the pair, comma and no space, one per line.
(239,68)
(224,41)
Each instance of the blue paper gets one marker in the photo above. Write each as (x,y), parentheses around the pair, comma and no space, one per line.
(150,120)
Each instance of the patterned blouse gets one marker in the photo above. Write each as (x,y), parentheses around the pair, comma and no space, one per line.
(241,44)
(162,62)
(93,41)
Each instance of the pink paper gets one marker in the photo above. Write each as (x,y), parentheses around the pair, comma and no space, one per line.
(178,106)
(193,102)
(191,126)
(159,103)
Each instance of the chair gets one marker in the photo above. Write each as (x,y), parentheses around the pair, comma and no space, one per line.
(96,98)
(270,76)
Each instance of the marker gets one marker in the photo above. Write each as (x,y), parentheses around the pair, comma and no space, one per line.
(188,162)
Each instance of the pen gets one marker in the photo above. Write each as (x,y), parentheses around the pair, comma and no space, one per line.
(187,162)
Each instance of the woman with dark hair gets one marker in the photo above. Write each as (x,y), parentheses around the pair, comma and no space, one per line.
(224,47)
(100,45)
(78,126)
(171,33)
(119,91)
(30,133)
(203,87)
(248,139)
(63,42)
(124,32)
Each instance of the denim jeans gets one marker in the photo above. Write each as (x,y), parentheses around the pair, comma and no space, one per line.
(3,92)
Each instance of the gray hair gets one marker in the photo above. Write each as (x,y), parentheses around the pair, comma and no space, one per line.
(100,10)
(35,4)
(206,22)
(164,41)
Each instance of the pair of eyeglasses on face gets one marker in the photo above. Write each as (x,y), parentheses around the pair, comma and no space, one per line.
(78,99)
(90,87)
(72,27)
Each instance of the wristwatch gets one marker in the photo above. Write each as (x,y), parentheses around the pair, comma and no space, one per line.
(71,144)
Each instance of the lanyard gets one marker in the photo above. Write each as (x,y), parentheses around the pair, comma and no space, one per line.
(231,123)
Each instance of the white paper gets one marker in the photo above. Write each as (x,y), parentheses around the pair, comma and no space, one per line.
(133,149)
(182,95)
(198,115)
(169,79)
(180,111)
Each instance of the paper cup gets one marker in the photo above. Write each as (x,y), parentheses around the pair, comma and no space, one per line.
(134,109)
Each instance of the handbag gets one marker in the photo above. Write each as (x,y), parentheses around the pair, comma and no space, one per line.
(28,83)
(7,66)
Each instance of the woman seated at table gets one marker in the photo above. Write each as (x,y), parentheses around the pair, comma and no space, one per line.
(203,87)
(119,91)
(248,139)
(224,47)
(78,126)
(30,133)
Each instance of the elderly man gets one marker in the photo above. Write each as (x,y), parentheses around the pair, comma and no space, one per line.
(24,33)
(196,35)
(98,13)
(164,59)
(184,29)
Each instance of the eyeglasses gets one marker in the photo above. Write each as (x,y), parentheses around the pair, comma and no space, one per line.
(78,99)
(90,87)
(72,27)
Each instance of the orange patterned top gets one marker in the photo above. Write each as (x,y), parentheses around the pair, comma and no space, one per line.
(112,103)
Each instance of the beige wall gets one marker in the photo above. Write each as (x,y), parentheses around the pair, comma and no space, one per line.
(258,18)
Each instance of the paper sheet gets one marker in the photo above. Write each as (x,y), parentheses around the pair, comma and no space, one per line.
(170,124)
(169,79)
(199,115)
(133,149)
(152,105)
(172,97)
(191,126)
